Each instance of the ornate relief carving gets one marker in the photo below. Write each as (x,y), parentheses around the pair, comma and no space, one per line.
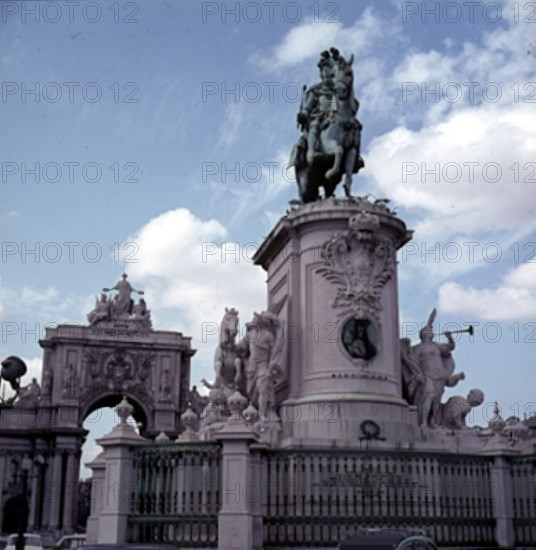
(92,359)
(359,262)
(118,371)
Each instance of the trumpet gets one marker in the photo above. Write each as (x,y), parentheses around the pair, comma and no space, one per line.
(470,330)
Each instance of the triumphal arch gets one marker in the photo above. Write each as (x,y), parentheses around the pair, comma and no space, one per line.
(86,367)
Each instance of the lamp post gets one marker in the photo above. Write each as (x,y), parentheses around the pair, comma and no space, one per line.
(25,467)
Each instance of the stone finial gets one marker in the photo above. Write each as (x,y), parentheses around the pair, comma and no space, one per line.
(496,423)
(189,420)
(236,403)
(251,415)
(516,429)
(162,438)
(124,410)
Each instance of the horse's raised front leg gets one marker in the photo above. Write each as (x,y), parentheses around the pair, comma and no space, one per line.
(335,170)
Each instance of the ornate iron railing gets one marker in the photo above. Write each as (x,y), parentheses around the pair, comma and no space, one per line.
(524,496)
(319,497)
(177,494)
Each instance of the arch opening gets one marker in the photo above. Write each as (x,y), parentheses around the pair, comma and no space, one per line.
(110,401)
(98,419)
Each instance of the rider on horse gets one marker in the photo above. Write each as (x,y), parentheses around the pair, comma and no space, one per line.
(331,132)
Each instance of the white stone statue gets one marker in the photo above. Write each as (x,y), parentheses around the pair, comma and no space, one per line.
(47,382)
(102,310)
(165,385)
(228,365)
(141,312)
(437,366)
(264,343)
(28,395)
(122,303)
(456,409)
(121,307)
(69,381)
(412,375)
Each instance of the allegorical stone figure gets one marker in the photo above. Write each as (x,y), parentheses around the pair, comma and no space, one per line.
(141,312)
(46,390)
(165,385)
(32,389)
(227,357)
(122,303)
(69,381)
(264,344)
(456,409)
(437,366)
(101,312)
(412,375)
(28,395)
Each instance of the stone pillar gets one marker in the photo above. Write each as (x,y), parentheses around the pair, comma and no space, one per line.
(76,488)
(55,491)
(239,521)
(119,481)
(98,466)
(48,490)
(503,501)
(256,493)
(33,483)
(69,490)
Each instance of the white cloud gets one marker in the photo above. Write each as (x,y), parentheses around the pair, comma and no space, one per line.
(40,304)
(449,213)
(35,366)
(514,298)
(190,270)
(306,41)
(466,199)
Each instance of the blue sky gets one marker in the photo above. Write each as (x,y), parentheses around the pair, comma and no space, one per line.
(190,92)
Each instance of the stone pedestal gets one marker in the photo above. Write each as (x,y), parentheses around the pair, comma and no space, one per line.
(335,260)
(503,501)
(118,483)
(98,467)
(240,517)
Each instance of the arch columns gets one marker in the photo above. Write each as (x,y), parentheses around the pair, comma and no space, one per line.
(55,491)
